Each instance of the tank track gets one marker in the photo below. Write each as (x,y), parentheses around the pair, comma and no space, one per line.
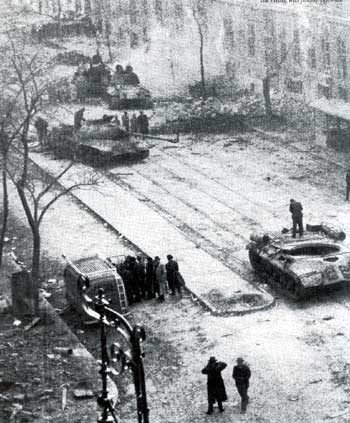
(287,283)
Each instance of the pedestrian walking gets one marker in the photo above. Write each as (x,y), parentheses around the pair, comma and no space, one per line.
(125,121)
(41,126)
(79,118)
(160,278)
(347,180)
(172,275)
(297,217)
(241,374)
(215,384)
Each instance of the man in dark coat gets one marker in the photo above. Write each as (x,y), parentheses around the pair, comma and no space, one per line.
(125,121)
(347,179)
(172,272)
(130,77)
(41,126)
(241,374)
(142,123)
(141,273)
(215,385)
(149,280)
(297,216)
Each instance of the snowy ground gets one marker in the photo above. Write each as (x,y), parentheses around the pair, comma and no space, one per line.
(298,353)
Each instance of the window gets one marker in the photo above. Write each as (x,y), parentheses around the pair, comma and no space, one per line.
(341,65)
(294,86)
(251,40)
(312,57)
(296,46)
(228,32)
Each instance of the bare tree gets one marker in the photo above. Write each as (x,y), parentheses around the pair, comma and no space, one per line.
(199,13)
(37,193)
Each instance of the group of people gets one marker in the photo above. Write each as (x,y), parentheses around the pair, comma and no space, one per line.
(125,77)
(150,278)
(139,124)
(216,387)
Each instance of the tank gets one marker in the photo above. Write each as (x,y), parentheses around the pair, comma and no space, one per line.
(98,144)
(129,97)
(302,266)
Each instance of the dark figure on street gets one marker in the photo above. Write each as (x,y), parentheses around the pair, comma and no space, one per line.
(142,123)
(160,278)
(41,126)
(241,375)
(172,275)
(149,280)
(347,179)
(215,384)
(133,123)
(125,121)
(130,77)
(141,275)
(135,279)
(297,216)
(79,118)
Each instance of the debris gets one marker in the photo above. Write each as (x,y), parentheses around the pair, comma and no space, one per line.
(52,280)
(6,239)
(328,318)
(80,331)
(63,350)
(339,334)
(32,324)
(66,308)
(315,381)
(226,334)
(17,322)
(50,356)
(83,393)
(45,294)
(16,409)
(4,304)
(333,416)
(64,397)
(19,397)
(293,398)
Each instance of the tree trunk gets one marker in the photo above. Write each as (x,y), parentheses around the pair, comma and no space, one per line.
(267,96)
(5,212)
(36,254)
(201,60)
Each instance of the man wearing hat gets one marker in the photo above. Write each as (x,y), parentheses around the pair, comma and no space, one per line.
(297,216)
(241,375)
(215,384)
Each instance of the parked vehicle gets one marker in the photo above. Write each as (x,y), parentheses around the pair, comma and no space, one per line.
(100,274)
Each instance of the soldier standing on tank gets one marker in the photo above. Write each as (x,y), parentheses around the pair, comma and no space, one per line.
(347,179)
(125,121)
(297,216)
(241,374)
(133,123)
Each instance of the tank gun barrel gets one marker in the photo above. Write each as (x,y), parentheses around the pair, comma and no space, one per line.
(154,137)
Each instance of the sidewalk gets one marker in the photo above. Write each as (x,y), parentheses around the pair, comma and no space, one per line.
(38,383)
(215,285)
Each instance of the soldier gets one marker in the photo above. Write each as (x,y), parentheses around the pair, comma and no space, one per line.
(149,279)
(41,126)
(130,77)
(347,179)
(215,385)
(241,374)
(125,121)
(141,274)
(297,216)
(142,123)
(172,271)
(79,118)
(133,123)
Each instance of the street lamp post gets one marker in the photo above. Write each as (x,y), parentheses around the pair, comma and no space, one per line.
(132,358)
